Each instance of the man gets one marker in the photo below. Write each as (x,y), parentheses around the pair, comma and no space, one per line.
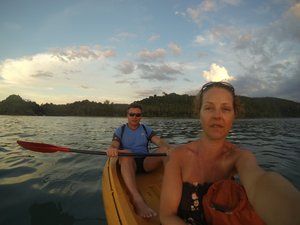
(134,137)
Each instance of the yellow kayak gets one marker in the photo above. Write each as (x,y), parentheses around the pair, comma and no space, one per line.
(118,208)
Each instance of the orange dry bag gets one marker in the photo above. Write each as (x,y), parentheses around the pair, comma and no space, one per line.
(226,203)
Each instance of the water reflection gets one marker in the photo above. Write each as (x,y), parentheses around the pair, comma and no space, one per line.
(176,131)
(49,213)
(52,213)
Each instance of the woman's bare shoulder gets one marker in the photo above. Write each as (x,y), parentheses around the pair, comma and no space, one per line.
(182,152)
(236,155)
(244,153)
(237,151)
(184,149)
(244,158)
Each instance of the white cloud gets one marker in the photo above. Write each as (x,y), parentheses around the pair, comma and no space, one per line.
(26,69)
(199,39)
(175,48)
(154,37)
(152,55)
(295,10)
(56,71)
(289,25)
(222,35)
(243,41)
(123,36)
(145,93)
(217,73)
(81,53)
(160,72)
(199,13)
(126,67)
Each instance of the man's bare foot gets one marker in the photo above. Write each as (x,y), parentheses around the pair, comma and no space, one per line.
(142,209)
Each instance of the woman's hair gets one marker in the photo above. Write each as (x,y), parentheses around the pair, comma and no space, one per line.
(221,84)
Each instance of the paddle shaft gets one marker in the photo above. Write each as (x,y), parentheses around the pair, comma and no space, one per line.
(47,148)
(90,152)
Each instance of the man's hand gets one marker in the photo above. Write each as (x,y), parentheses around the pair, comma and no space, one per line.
(113,152)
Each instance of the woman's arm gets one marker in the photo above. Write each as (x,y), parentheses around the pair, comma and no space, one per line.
(273,197)
(171,191)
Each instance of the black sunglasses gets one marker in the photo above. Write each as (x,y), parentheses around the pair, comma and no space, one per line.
(221,84)
(135,114)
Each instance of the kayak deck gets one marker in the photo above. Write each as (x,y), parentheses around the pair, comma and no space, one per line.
(118,208)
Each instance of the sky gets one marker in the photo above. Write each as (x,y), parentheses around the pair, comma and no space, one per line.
(62,51)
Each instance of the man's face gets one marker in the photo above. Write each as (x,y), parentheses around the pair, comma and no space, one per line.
(134,116)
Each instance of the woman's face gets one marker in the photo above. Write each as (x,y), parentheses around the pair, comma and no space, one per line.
(217,112)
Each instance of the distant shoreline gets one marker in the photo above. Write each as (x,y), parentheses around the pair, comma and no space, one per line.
(170,105)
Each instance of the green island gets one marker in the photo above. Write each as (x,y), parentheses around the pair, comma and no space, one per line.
(168,105)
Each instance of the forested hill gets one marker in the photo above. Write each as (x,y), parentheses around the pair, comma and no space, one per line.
(168,105)
(173,105)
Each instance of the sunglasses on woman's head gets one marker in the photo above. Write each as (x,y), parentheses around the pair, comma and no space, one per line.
(221,84)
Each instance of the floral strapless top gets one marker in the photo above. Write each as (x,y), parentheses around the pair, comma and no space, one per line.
(190,207)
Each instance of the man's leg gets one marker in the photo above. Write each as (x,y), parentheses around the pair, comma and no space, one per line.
(128,168)
(152,163)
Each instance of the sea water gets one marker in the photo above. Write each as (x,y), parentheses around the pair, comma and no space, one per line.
(65,188)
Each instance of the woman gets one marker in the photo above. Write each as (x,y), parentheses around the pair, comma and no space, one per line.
(193,167)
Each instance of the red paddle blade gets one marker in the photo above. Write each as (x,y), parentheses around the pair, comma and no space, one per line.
(41,147)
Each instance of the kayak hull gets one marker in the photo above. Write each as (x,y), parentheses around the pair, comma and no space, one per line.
(118,208)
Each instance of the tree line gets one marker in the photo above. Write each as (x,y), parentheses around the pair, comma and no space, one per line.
(168,105)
